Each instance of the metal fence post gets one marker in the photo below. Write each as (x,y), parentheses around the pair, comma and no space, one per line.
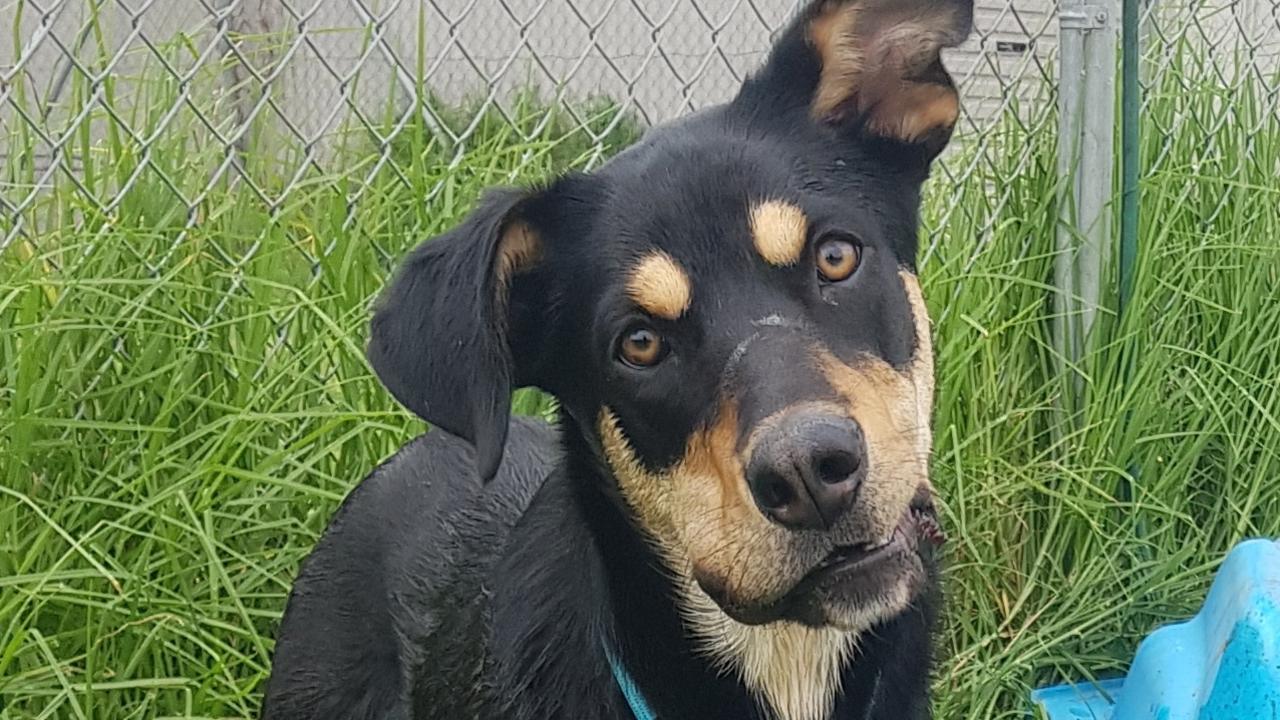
(1089,34)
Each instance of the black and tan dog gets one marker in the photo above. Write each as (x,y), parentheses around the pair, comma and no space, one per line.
(733,516)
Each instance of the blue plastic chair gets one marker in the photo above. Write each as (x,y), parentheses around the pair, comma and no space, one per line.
(1223,664)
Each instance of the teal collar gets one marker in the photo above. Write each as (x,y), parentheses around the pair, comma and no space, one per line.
(635,699)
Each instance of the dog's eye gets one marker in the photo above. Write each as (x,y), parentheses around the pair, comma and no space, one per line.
(641,347)
(837,258)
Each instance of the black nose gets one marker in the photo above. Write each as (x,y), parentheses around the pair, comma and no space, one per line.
(805,473)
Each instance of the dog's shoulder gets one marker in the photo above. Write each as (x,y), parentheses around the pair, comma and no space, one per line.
(418,525)
(421,497)
(435,474)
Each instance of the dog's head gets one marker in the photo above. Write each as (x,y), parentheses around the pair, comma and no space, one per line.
(730,314)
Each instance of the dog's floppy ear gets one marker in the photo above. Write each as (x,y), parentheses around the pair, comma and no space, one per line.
(442,335)
(873,66)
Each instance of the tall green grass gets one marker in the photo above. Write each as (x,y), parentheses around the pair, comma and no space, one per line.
(1075,536)
(184,399)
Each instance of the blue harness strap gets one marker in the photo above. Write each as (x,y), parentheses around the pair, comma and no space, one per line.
(630,691)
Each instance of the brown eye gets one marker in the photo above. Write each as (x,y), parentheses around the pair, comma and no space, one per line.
(837,259)
(641,347)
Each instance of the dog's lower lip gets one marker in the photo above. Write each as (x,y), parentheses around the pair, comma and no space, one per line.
(847,558)
(916,525)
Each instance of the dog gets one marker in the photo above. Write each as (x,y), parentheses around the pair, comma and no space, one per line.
(732,517)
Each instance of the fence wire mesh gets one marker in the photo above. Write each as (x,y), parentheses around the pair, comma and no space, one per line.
(297,88)
(1227,50)
(306,85)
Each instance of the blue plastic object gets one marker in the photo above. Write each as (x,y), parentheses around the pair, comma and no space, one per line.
(1223,664)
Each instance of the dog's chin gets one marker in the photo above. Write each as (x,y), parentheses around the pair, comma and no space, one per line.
(856,587)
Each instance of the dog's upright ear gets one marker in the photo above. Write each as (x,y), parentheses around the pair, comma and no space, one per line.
(462,306)
(872,67)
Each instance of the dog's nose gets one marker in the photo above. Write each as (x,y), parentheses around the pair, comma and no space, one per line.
(804,474)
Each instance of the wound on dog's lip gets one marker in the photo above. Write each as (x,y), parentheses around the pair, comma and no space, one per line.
(925,517)
(928,528)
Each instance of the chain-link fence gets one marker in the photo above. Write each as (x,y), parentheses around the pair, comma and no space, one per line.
(1231,46)
(301,79)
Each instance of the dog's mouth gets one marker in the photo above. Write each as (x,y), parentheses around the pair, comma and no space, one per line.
(853,576)
(919,527)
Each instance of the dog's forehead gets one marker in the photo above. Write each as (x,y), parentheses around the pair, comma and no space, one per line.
(701,211)
(696,181)
(694,200)
(688,190)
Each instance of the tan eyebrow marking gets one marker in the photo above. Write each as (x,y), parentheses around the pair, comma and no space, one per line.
(778,230)
(660,286)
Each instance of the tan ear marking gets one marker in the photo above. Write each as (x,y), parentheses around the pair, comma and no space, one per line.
(660,286)
(519,249)
(915,113)
(778,230)
(880,62)
(834,38)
